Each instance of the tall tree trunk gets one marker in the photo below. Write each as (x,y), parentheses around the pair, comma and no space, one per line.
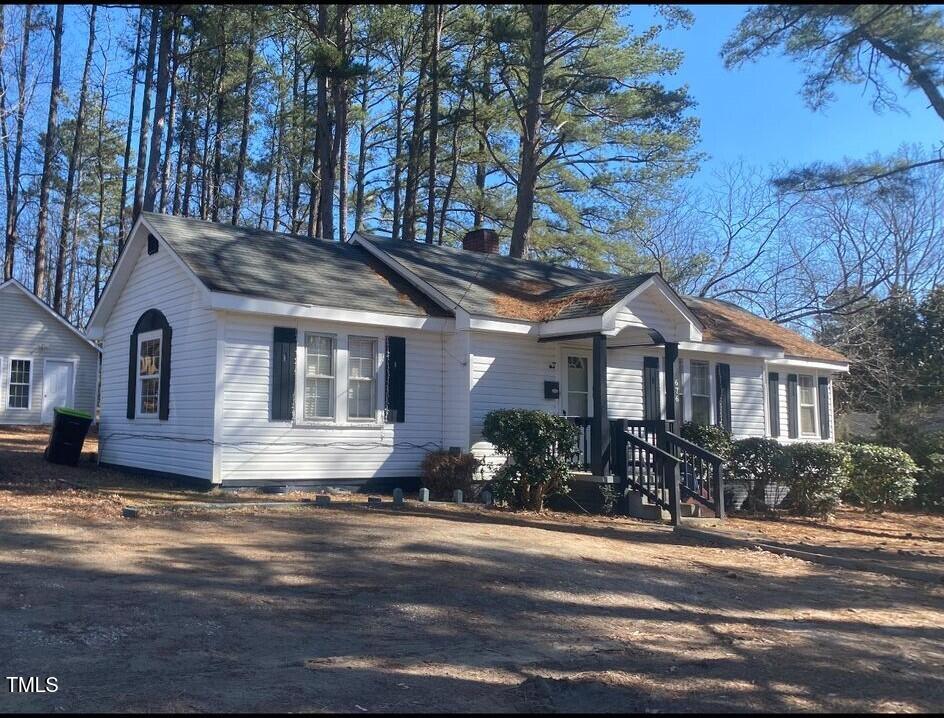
(415,147)
(155,166)
(397,159)
(100,172)
(433,124)
(140,176)
(218,138)
(247,108)
(277,190)
(360,175)
(135,66)
(339,154)
(185,139)
(531,134)
(205,180)
(49,150)
(73,164)
(13,197)
(171,115)
(451,183)
(326,147)
(73,258)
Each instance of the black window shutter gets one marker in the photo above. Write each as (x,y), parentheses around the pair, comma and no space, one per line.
(824,407)
(773,399)
(723,395)
(792,418)
(395,361)
(651,399)
(284,342)
(132,374)
(163,410)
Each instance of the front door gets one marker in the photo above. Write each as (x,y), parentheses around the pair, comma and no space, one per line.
(577,402)
(57,387)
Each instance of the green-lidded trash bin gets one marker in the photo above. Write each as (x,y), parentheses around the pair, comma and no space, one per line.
(67,435)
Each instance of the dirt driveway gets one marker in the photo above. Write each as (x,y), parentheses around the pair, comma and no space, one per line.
(441,608)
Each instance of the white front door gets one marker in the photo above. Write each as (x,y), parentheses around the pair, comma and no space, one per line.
(577,385)
(57,387)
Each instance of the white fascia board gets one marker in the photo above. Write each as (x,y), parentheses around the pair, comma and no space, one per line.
(223,301)
(441,299)
(481,324)
(579,325)
(731,349)
(15,284)
(798,363)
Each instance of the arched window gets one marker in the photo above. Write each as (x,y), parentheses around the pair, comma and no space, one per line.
(149,367)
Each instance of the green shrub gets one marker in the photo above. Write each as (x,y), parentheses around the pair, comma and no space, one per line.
(928,453)
(443,473)
(536,446)
(818,475)
(715,439)
(759,463)
(880,475)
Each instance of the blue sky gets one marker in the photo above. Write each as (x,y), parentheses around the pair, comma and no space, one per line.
(756,112)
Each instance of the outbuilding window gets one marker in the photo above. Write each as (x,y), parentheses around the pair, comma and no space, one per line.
(20,385)
(149,373)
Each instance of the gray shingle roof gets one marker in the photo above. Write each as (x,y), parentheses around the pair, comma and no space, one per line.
(497,286)
(289,267)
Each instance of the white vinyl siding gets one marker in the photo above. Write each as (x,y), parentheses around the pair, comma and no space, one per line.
(181,444)
(340,451)
(30,332)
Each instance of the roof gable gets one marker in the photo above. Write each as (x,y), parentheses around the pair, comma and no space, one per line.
(14,285)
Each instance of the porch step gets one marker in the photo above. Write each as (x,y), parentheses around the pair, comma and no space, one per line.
(639,507)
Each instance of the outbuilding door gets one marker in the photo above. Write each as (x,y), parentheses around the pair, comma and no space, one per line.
(57,386)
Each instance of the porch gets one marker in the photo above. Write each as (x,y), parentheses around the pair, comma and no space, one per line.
(645,460)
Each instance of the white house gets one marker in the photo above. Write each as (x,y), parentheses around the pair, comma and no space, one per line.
(45,362)
(242,357)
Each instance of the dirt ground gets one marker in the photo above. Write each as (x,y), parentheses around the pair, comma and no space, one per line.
(440,607)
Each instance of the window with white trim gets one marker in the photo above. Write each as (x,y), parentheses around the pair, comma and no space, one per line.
(149,373)
(20,384)
(320,350)
(700,383)
(361,377)
(807,404)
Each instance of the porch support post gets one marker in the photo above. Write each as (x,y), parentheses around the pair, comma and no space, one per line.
(600,424)
(671,358)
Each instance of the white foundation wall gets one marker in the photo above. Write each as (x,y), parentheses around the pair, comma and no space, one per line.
(286,451)
(182,444)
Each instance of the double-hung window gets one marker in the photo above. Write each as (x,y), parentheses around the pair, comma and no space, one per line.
(701,392)
(319,377)
(807,403)
(361,378)
(21,375)
(149,373)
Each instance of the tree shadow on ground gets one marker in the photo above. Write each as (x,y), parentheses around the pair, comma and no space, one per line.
(329,610)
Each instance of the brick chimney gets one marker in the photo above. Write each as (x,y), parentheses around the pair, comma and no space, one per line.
(481,240)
